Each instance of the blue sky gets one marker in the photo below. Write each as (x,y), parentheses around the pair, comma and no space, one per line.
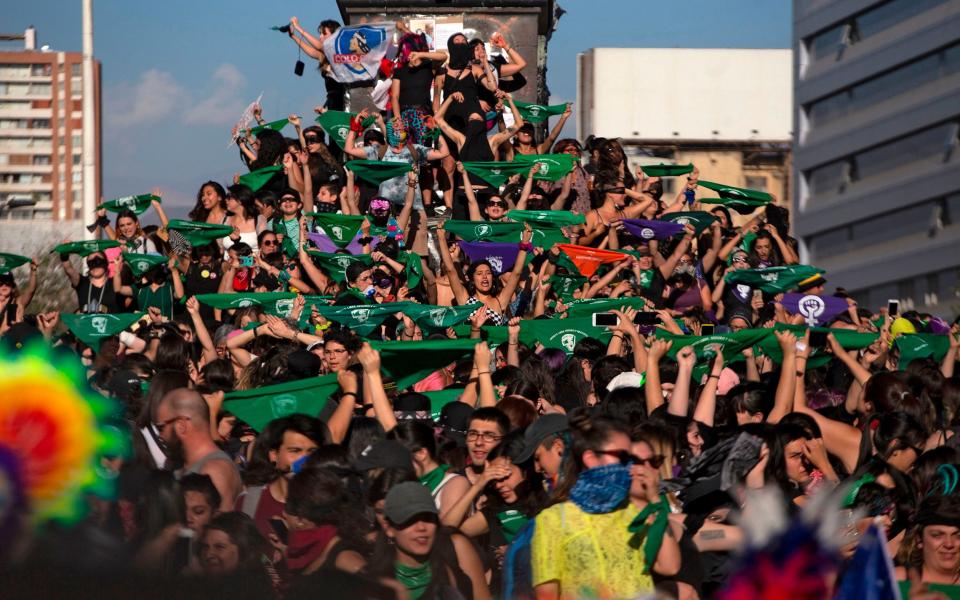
(177,74)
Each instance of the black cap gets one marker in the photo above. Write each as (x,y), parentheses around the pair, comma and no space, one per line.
(527,126)
(455,419)
(540,430)
(384,454)
(124,384)
(407,500)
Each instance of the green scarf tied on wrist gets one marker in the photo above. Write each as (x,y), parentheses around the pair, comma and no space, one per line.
(652,533)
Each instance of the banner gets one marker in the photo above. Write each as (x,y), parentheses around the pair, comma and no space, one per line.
(259,406)
(538,113)
(561,333)
(354,52)
(483,231)
(362,319)
(277,301)
(849,339)
(585,308)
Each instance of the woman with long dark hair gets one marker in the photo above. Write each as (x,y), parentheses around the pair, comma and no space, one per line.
(242,215)
(211,206)
(428,560)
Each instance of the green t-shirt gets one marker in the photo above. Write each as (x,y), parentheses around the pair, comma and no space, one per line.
(161,298)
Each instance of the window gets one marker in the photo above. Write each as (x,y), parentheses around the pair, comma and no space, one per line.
(9,71)
(76,69)
(77,140)
(858,28)
(901,80)
(41,124)
(77,177)
(14,105)
(756,182)
(77,159)
(40,89)
(835,241)
(13,123)
(14,89)
(43,70)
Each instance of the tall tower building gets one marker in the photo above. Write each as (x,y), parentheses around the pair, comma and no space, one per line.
(41,132)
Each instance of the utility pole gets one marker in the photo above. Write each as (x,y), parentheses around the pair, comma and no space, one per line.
(89,122)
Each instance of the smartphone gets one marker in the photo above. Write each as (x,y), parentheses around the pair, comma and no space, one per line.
(893,307)
(818,339)
(706,328)
(298,68)
(605,319)
(646,318)
(691,196)
(280,528)
(246,261)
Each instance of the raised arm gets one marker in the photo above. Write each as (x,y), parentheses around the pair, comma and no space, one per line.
(652,389)
(404,217)
(481,360)
(667,267)
(339,422)
(350,144)
(783,401)
(446,260)
(457,137)
(203,335)
(706,409)
(679,404)
(308,191)
(370,359)
(348,200)
(507,132)
(312,46)
(71,273)
(544,147)
(561,200)
(514,279)
(527,187)
(161,214)
(27,293)
(118,287)
(510,68)
(473,207)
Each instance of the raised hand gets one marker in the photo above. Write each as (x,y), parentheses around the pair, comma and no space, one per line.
(369,358)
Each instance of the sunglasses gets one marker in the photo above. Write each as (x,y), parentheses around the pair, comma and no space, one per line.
(739,259)
(288,199)
(499,203)
(290,266)
(311,139)
(618,190)
(270,243)
(627,458)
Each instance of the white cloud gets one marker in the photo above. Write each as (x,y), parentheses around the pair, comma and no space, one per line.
(157,95)
(153,97)
(222,102)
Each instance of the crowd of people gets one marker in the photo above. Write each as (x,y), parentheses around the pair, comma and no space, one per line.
(599,376)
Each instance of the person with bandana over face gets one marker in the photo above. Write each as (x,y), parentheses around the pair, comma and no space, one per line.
(94,290)
(182,421)
(397,150)
(592,541)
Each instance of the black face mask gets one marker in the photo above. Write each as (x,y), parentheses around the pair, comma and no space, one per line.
(97,263)
(460,54)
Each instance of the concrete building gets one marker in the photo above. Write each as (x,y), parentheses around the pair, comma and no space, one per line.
(726,110)
(877,163)
(41,135)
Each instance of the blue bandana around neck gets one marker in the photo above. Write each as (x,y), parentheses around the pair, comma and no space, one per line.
(601,489)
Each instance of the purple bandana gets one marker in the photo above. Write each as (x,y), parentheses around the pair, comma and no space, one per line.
(816,310)
(500,256)
(652,230)
(325,244)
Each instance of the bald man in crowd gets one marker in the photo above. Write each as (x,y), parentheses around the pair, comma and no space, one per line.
(182,419)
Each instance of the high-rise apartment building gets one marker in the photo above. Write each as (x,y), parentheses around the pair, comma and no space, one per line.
(41,133)
(876,156)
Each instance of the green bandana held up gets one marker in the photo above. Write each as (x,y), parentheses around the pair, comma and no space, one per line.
(259,178)
(138,204)
(341,229)
(651,533)
(432,479)
(480,231)
(921,345)
(274,125)
(86,248)
(538,113)
(773,280)
(259,406)
(364,319)
(432,318)
(141,263)
(663,170)
(415,579)
(336,264)
(9,262)
(585,308)
(847,338)
(495,172)
(197,233)
(742,200)
(441,398)
(561,333)
(731,344)
(377,171)
(565,285)
(554,167)
(699,219)
(412,268)
(406,363)
(247,299)
(337,125)
(90,329)
(547,218)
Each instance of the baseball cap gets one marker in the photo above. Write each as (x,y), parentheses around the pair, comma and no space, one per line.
(540,430)
(407,500)
(811,282)
(628,379)
(302,364)
(384,454)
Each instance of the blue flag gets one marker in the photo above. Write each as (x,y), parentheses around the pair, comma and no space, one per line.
(870,575)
